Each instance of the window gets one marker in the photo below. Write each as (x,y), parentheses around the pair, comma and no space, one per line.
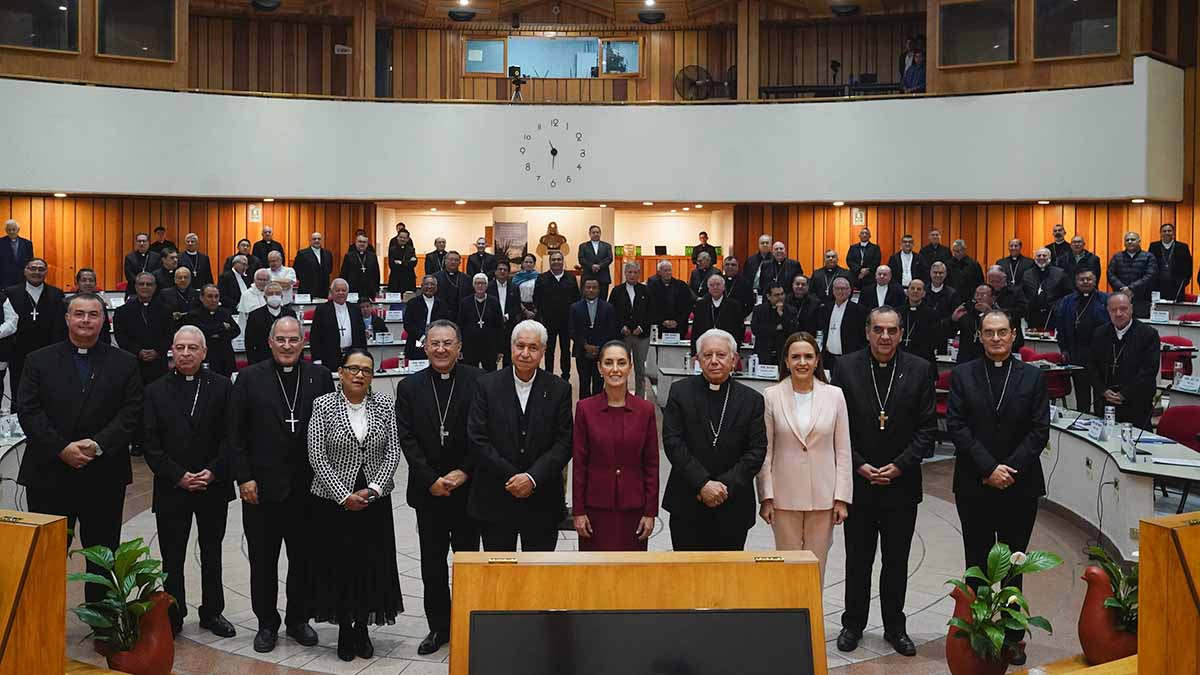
(620,56)
(40,24)
(136,29)
(555,56)
(1068,28)
(976,32)
(484,56)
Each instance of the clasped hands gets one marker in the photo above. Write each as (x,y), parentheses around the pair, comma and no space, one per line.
(442,487)
(196,482)
(713,494)
(1113,397)
(881,476)
(1002,477)
(520,485)
(79,454)
(357,501)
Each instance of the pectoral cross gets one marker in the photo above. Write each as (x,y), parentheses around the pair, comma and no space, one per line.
(363,269)
(443,435)
(341,330)
(883,418)
(480,322)
(34,314)
(292,421)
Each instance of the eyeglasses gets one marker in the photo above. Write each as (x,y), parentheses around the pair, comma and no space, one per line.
(442,344)
(358,370)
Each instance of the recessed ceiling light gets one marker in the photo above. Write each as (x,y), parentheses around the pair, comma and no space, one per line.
(460,202)
(604,206)
(649,3)
(995,46)
(699,206)
(1043,202)
(433,208)
(60,195)
(686,209)
(63,8)
(647,203)
(839,203)
(672,210)
(268,199)
(464,3)
(1138,201)
(145,49)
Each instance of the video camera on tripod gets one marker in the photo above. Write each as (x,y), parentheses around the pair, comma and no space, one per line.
(516,80)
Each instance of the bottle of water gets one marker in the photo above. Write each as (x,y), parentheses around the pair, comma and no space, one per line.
(654,333)
(752,364)
(1110,421)
(1127,448)
(1177,374)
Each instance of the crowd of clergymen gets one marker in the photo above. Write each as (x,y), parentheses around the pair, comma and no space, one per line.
(81,405)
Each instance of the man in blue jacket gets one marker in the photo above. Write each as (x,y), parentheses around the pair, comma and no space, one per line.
(1080,315)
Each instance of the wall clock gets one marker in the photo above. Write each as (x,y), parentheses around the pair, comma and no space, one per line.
(553,154)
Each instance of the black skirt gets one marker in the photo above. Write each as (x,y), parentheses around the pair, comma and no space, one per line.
(353,574)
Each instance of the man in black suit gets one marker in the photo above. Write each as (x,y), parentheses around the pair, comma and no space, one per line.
(78,403)
(268,450)
(161,243)
(435,260)
(191,258)
(714,437)
(431,423)
(263,247)
(716,310)
(821,283)
(966,322)
(252,264)
(1080,258)
(1174,264)
(164,276)
(884,292)
(140,259)
(934,252)
(1015,265)
(1080,315)
(314,267)
(736,286)
(419,312)
(942,298)
(592,323)
(452,285)
(1124,364)
(259,321)
(402,262)
(15,252)
(671,301)
(360,268)
(185,422)
(703,247)
(1134,272)
(482,326)
(863,258)
(508,297)
(631,301)
(181,297)
(1060,248)
(771,322)
(219,329)
(698,279)
(553,294)
(233,282)
(754,264)
(998,416)
(962,272)
(843,324)
(143,328)
(595,260)
(40,308)
(906,264)
(519,428)
(1011,299)
(336,327)
(85,282)
(923,328)
(1043,286)
(891,405)
(481,262)
(779,271)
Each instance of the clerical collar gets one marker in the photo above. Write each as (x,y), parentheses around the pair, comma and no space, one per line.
(1122,331)
(1085,296)
(592,301)
(189,378)
(559,276)
(284,369)
(479,299)
(1043,268)
(82,351)
(715,387)
(445,376)
(936,289)
(998,364)
(1014,258)
(883,364)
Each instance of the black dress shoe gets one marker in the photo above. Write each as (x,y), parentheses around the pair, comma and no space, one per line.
(303,633)
(432,642)
(901,643)
(363,647)
(346,640)
(219,626)
(848,640)
(264,640)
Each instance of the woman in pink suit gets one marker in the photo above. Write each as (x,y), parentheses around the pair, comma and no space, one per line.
(615,462)
(805,485)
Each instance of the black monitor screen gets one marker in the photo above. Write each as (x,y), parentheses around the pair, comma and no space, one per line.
(672,642)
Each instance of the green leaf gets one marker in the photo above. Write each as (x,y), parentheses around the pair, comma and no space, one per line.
(998,563)
(140,607)
(983,646)
(976,573)
(126,559)
(1014,592)
(1114,603)
(960,624)
(127,584)
(98,555)
(148,566)
(92,618)
(1042,623)
(1017,616)
(89,577)
(1038,561)
(962,586)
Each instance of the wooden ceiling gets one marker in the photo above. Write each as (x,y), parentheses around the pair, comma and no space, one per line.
(559,11)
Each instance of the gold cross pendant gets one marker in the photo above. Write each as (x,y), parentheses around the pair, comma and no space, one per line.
(883,418)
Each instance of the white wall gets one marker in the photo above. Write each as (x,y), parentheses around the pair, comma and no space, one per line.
(1097,143)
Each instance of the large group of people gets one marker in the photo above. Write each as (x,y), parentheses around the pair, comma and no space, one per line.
(838,441)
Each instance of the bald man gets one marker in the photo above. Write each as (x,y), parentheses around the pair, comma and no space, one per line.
(336,327)
(314,267)
(1123,363)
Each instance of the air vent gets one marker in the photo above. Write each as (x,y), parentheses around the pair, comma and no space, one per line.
(461,15)
(652,16)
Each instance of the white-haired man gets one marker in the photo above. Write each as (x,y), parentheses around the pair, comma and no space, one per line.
(714,437)
(520,430)
(482,324)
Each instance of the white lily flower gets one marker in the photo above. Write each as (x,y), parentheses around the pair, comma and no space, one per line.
(1017,558)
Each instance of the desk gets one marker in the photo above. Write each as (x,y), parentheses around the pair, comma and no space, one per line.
(944,363)
(1083,464)
(1178,309)
(380,352)
(667,376)
(1188,330)
(677,355)
(1178,397)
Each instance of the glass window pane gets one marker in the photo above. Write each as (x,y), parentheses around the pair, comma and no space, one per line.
(141,28)
(976,32)
(485,56)
(1074,28)
(555,57)
(40,24)
(620,56)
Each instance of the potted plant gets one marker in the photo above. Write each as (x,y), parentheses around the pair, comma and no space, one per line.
(978,642)
(130,625)
(1109,616)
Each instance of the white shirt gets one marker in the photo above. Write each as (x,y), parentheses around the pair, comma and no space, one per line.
(345,336)
(881,294)
(833,341)
(240,281)
(631,289)
(596,247)
(936,289)
(803,408)
(716,301)
(357,412)
(906,265)
(34,292)
(286,277)
(428,306)
(251,300)
(523,391)
(9,326)
(317,252)
(502,294)
(558,277)
(1122,331)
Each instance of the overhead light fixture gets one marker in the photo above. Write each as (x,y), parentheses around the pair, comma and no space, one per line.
(145,49)
(460,202)
(60,195)
(268,199)
(1043,202)
(699,206)
(839,203)
(63,8)
(686,209)
(464,3)
(433,208)
(649,3)
(604,206)
(647,203)
(1139,200)
(672,210)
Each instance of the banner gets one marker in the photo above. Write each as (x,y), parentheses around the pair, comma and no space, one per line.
(511,240)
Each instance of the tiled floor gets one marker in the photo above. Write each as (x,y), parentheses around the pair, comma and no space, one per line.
(936,556)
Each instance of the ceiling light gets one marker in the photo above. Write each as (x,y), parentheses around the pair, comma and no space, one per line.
(649,3)
(647,203)
(433,208)
(1138,201)
(1043,202)
(460,202)
(995,46)
(63,8)
(686,209)
(145,49)
(464,3)
(672,210)
(60,195)
(699,206)
(839,203)
(268,199)
(604,206)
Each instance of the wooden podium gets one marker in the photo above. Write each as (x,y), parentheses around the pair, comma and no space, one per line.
(33,593)
(733,580)
(1169,595)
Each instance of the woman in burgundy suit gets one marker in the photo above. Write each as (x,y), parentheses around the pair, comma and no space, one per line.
(615,467)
